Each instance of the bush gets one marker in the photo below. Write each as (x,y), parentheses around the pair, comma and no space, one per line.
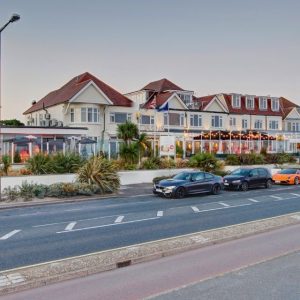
(167,163)
(17,157)
(151,163)
(100,171)
(232,160)
(26,190)
(179,151)
(25,172)
(40,164)
(280,158)
(205,161)
(12,193)
(252,159)
(6,164)
(181,163)
(66,163)
(129,152)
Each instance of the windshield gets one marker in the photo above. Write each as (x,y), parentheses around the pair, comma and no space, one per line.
(288,171)
(182,176)
(240,172)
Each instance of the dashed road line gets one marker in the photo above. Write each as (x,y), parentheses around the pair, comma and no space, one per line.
(294,194)
(224,204)
(195,209)
(10,234)
(160,213)
(119,219)
(108,225)
(70,226)
(253,200)
(220,208)
(276,197)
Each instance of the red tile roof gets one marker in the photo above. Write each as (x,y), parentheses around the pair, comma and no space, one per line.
(285,105)
(162,85)
(75,85)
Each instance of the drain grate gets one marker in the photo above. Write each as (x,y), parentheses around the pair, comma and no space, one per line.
(123,264)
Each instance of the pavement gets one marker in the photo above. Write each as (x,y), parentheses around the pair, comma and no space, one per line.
(197,274)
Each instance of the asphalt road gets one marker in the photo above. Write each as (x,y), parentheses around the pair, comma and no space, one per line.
(40,234)
(173,277)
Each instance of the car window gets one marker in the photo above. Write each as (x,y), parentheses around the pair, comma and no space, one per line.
(198,176)
(209,176)
(254,172)
(262,172)
(240,172)
(288,171)
(182,176)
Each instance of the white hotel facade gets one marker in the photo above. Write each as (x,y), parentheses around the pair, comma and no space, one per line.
(220,123)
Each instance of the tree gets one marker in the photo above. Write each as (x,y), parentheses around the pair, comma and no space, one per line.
(127,132)
(11,122)
(143,144)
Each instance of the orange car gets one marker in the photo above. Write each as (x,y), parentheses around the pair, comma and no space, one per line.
(287,176)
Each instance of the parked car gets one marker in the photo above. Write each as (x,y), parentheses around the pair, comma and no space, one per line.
(244,178)
(287,176)
(186,183)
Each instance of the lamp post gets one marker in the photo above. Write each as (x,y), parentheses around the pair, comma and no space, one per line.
(14,18)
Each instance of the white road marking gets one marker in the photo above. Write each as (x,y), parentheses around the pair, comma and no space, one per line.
(276,197)
(298,195)
(219,208)
(73,209)
(10,234)
(160,213)
(253,200)
(70,226)
(119,219)
(224,204)
(107,225)
(195,209)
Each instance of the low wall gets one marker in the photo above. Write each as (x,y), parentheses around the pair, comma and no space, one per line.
(126,177)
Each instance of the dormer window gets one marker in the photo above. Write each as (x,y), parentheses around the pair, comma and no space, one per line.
(186,98)
(275,104)
(263,104)
(250,102)
(236,101)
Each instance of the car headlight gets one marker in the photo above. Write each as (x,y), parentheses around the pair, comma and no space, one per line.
(172,187)
(236,181)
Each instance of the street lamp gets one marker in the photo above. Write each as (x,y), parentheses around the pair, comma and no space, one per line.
(14,18)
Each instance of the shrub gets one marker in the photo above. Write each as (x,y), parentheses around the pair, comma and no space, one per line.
(25,172)
(40,164)
(151,163)
(129,152)
(26,191)
(17,157)
(100,171)
(205,161)
(232,160)
(182,163)
(66,163)
(252,159)
(280,158)
(167,163)
(179,151)
(129,166)
(6,164)
(12,193)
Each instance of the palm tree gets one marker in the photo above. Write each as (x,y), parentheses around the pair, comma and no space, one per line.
(127,132)
(143,144)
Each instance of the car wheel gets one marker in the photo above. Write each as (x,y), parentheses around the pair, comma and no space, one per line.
(296,181)
(244,186)
(269,184)
(216,189)
(180,193)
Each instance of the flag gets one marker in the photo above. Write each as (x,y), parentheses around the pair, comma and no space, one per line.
(165,107)
(153,103)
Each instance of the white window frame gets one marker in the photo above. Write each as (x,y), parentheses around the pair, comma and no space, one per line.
(244,123)
(151,119)
(263,103)
(275,104)
(251,99)
(232,121)
(236,101)
(112,117)
(87,115)
(258,122)
(273,124)
(167,119)
(192,120)
(72,115)
(213,121)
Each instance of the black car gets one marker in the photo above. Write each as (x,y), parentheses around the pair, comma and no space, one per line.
(244,178)
(186,183)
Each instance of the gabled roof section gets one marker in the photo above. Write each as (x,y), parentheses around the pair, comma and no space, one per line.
(162,85)
(73,87)
(287,106)
(160,99)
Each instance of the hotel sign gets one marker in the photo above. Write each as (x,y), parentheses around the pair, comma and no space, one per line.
(167,146)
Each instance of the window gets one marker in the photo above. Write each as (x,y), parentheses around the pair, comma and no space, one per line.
(245,124)
(232,121)
(236,101)
(146,120)
(273,124)
(262,103)
(275,104)
(195,120)
(119,118)
(72,115)
(258,124)
(216,121)
(250,102)
(174,119)
(88,114)
(295,126)
(185,98)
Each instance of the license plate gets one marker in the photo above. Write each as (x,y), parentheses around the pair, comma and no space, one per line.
(277,181)
(159,190)
(225,183)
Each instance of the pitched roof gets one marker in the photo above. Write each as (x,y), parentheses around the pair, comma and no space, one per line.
(75,85)
(158,100)
(286,106)
(162,85)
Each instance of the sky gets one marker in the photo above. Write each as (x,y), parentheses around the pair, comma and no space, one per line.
(208,46)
